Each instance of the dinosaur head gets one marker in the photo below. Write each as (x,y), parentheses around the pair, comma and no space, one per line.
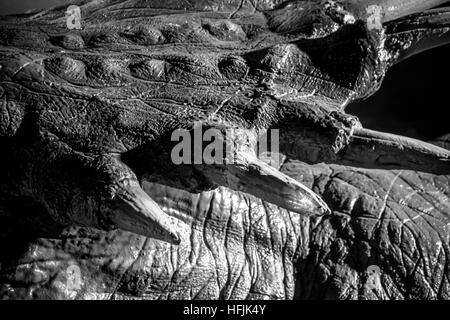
(294,67)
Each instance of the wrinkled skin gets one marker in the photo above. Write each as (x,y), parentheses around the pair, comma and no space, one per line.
(82,111)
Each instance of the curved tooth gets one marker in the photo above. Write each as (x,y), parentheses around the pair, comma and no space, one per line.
(138,213)
(374,149)
(253,176)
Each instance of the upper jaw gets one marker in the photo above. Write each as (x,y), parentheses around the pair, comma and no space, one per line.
(418,32)
(390,9)
(410,26)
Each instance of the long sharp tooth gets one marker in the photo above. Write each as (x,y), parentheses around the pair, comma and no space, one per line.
(373,149)
(251,175)
(138,213)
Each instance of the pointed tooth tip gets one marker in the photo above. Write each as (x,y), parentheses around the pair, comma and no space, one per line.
(135,225)
(166,236)
(176,240)
(253,176)
(159,232)
(135,211)
(170,236)
(319,208)
(323,209)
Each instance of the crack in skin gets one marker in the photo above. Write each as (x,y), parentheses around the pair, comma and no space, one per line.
(85,136)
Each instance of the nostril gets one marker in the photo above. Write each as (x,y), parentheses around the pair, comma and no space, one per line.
(413,100)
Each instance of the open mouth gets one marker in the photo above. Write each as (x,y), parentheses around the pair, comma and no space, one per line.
(87,122)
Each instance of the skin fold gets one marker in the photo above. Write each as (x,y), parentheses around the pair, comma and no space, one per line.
(93,207)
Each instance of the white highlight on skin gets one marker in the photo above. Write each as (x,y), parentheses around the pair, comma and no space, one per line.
(73,17)
(373,282)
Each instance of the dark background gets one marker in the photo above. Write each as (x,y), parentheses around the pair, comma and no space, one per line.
(414,98)
(413,101)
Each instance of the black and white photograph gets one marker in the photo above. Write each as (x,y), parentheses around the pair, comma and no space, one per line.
(216,150)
